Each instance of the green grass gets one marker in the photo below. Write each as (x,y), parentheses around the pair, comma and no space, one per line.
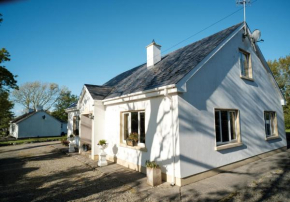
(287,130)
(33,140)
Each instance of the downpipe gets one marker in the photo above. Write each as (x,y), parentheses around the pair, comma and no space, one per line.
(172,135)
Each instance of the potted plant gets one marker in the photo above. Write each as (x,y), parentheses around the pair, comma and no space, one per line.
(153,173)
(102,155)
(102,144)
(132,140)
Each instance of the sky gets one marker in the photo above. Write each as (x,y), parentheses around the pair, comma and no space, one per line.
(74,42)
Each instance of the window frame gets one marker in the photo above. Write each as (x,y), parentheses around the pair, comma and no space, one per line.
(249,62)
(232,142)
(123,140)
(274,128)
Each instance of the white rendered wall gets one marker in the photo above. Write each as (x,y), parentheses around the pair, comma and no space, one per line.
(160,123)
(35,126)
(218,85)
(15,132)
(86,104)
(71,115)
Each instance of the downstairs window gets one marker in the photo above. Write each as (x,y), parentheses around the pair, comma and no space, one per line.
(226,126)
(270,124)
(134,122)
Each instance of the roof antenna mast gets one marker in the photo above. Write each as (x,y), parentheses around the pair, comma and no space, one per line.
(244,2)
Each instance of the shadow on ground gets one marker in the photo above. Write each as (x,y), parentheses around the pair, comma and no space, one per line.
(29,177)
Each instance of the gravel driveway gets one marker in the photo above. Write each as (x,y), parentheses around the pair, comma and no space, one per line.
(40,172)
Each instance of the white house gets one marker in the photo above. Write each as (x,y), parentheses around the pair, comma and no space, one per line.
(204,108)
(37,123)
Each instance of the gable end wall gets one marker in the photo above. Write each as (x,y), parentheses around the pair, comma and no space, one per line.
(218,85)
(35,126)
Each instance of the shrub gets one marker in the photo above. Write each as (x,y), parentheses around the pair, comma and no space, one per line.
(102,142)
(151,164)
(65,142)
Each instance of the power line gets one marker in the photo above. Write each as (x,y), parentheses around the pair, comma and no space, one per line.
(206,28)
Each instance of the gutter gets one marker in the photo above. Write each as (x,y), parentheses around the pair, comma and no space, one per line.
(128,97)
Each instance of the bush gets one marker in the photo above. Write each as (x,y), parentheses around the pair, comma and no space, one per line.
(65,142)
(151,164)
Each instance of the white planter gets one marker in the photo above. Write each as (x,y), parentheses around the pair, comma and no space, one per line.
(102,155)
(71,146)
(154,176)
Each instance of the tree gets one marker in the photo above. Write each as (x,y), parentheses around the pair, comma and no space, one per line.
(281,71)
(34,94)
(5,112)
(64,101)
(7,82)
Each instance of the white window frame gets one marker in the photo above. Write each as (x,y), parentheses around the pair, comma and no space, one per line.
(229,127)
(129,126)
(242,68)
(274,128)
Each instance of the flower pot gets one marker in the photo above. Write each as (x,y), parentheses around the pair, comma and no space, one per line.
(102,155)
(153,176)
(131,143)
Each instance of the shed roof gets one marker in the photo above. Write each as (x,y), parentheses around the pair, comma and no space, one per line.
(22,117)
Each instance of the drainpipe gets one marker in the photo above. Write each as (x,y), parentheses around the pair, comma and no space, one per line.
(172,134)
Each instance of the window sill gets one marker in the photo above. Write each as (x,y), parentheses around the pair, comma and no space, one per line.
(228,146)
(144,149)
(272,137)
(247,78)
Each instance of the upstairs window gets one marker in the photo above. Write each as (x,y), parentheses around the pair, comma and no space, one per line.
(245,64)
(134,122)
(226,126)
(270,124)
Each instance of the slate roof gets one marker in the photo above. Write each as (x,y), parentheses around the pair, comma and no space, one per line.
(98,92)
(22,117)
(73,105)
(170,70)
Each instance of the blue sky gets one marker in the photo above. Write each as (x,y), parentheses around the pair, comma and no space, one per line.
(72,42)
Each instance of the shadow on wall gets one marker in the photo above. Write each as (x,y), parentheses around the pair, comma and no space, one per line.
(225,90)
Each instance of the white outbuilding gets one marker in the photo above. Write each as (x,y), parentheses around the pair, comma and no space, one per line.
(37,123)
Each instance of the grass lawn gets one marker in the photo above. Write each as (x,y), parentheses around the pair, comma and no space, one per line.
(287,130)
(32,140)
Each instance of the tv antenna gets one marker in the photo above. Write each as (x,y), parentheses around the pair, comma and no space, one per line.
(244,2)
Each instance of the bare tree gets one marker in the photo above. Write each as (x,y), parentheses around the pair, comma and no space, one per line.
(33,94)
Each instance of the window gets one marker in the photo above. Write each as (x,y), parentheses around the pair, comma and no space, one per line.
(245,64)
(76,121)
(134,122)
(226,126)
(270,124)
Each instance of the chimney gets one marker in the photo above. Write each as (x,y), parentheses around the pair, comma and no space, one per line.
(153,54)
